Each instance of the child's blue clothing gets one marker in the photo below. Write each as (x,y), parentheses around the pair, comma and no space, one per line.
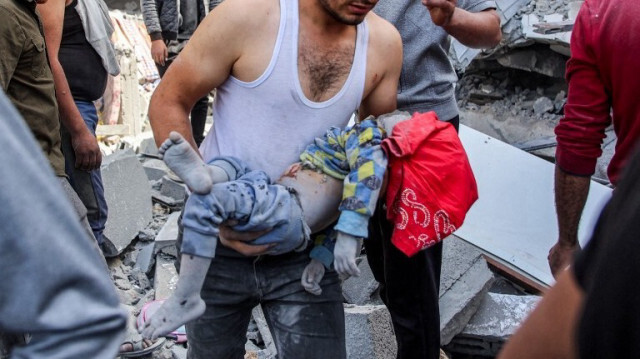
(353,154)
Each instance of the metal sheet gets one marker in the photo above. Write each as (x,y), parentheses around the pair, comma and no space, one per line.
(514,218)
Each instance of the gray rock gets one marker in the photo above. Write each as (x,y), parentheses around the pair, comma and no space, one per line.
(166,277)
(497,318)
(155,169)
(543,105)
(173,189)
(128,196)
(358,290)
(369,332)
(465,279)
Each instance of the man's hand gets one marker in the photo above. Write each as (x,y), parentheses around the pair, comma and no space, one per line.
(159,51)
(560,256)
(344,255)
(237,241)
(441,11)
(87,151)
(311,277)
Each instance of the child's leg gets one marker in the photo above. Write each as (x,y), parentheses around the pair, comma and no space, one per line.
(182,159)
(185,303)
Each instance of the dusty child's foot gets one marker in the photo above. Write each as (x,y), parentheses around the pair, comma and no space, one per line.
(182,159)
(171,315)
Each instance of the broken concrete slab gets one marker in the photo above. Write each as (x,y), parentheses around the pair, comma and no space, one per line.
(155,169)
(166,277)
(173,189)
(144,259)
(168,234)
(497,318)
(128,195)
(464,281)
(561,40)
(369,332)
(358,290)
(148,146)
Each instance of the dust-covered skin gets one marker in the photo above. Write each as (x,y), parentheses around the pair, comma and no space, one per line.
(182,159)
(185,303)
(318,193)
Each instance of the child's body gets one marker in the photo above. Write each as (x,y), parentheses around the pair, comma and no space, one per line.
(306,199)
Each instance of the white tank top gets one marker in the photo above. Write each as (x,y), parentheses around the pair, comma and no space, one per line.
(269,122)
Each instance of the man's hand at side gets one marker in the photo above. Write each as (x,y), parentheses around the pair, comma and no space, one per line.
(159,52)
(87,151)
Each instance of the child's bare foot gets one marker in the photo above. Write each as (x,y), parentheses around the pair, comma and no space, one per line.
(172,314)
(182,159)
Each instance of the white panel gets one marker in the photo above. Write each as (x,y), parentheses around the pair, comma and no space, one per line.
(514,218)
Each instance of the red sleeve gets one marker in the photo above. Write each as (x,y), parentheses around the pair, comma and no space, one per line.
(587,111)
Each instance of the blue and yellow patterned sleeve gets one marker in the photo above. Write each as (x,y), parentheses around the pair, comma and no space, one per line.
(367,163)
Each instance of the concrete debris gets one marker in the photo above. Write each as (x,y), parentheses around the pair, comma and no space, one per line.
(155,169)
(148,146)
(145,258)
(495,321)
(128,195)
(166,276)
(358,290)
(537,59)
(369,332)
(464,281)
(542,105)
(168,235)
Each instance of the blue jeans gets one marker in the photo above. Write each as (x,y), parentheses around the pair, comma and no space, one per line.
(88,185)
(303,325)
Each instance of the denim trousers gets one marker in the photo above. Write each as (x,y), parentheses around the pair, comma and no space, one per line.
(88,185)
(303,325)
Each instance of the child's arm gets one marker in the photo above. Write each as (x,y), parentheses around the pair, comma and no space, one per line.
(362,188)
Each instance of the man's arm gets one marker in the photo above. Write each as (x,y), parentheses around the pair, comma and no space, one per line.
(571,194)
(579,134)
(385,56)
(476,30)
(205,63)
(85,145)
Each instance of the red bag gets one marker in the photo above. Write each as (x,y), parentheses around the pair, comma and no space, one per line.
(431,184)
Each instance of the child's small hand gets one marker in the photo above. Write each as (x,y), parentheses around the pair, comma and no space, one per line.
(312,275)
(344,255)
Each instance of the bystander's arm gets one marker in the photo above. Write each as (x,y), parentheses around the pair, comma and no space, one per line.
(579,134)
(571,193)
(87,151)
(476,30)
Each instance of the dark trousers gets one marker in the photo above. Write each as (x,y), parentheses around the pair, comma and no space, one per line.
(198,112)
(88,185)
(409,286)
(303,325)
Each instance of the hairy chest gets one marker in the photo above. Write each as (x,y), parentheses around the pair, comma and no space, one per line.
(323,68)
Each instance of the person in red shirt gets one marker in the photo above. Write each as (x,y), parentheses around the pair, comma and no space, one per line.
(603,89)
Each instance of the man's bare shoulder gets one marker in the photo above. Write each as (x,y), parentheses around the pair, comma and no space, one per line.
(384,38)
(246,14)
